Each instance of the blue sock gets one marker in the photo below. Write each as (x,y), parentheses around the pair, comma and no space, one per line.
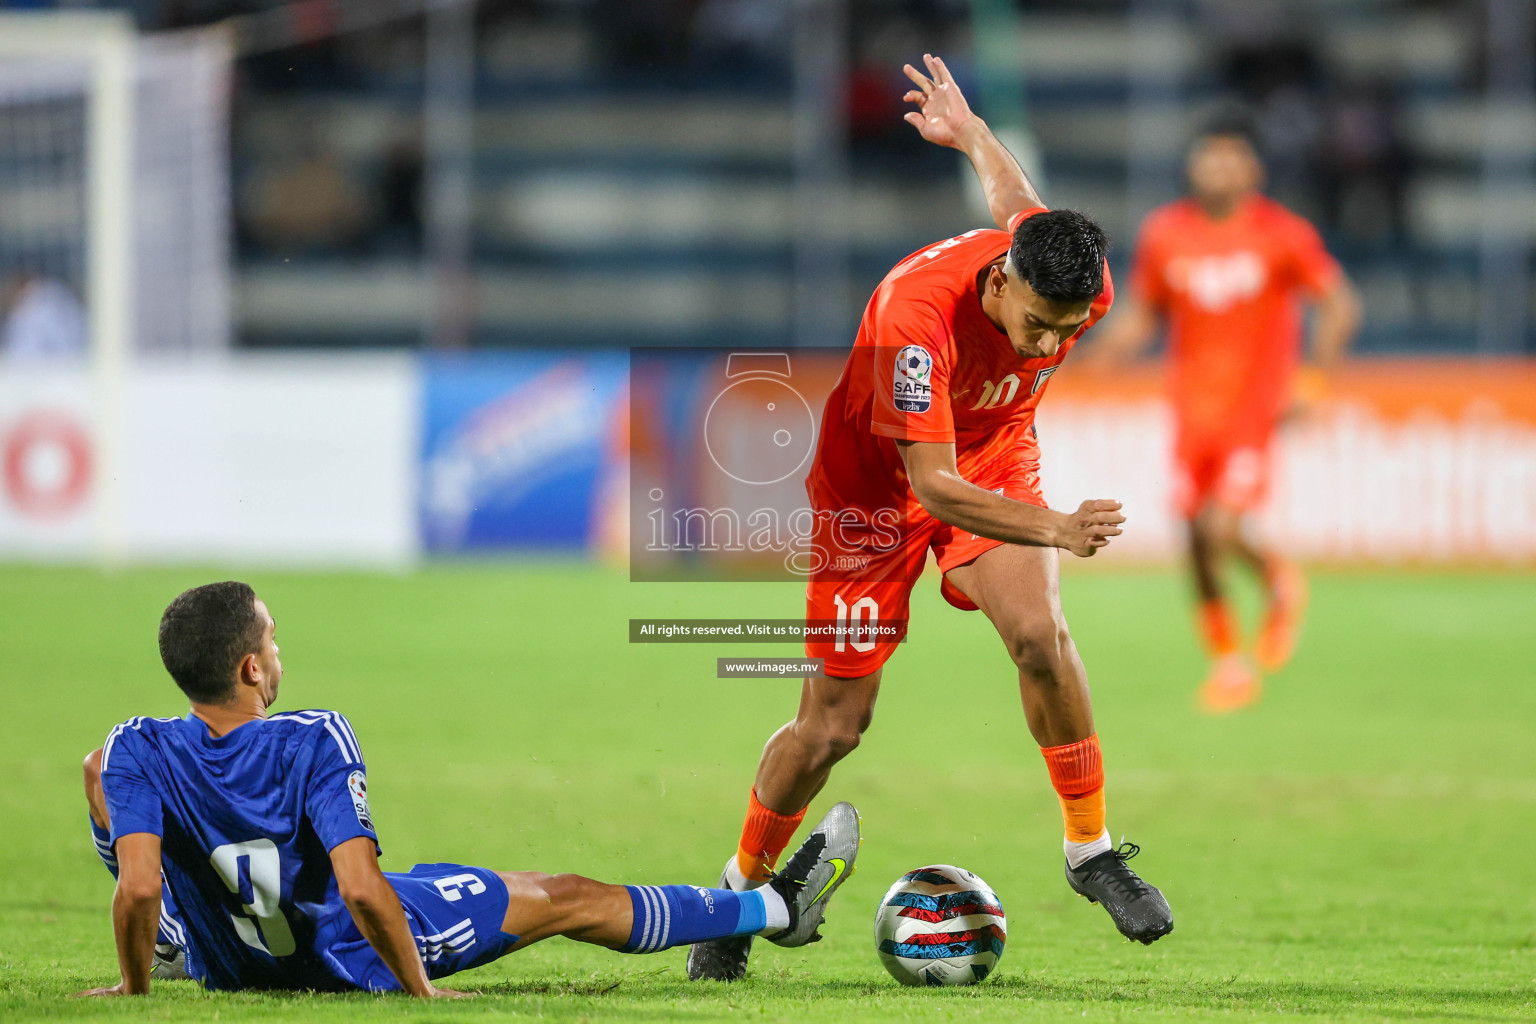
(676,915)
(101,838)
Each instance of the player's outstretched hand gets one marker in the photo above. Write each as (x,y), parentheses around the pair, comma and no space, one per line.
(1091,526)
(110,990)
(941,109)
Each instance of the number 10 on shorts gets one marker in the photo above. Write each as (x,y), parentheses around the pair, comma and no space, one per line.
(860,620)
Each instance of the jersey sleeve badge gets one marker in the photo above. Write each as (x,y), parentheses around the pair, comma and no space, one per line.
(912,379)
(357,785)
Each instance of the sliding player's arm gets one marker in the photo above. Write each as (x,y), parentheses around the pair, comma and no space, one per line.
(134,809)
(336,802)
(944,118)
(950,498)
(376,910)
(135,912)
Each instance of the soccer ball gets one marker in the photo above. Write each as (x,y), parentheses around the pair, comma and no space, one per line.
(940,925)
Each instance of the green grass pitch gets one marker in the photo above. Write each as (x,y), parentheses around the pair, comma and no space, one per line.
(1357,847)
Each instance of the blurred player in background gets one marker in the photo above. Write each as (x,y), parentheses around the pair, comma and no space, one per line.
(928,444)
(259,826)
(1224,270)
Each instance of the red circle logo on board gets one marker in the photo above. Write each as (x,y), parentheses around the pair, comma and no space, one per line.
(47,458)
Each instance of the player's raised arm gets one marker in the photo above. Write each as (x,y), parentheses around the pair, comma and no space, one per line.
(944,118)
(949,497)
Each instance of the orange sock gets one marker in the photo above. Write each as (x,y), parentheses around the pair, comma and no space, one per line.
(764,835)
(1077,773)
(1218,628)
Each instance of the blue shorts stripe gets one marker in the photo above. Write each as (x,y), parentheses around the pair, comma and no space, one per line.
(456,915)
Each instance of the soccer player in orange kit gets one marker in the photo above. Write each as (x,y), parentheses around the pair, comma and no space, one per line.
(1224,269)
(928,443)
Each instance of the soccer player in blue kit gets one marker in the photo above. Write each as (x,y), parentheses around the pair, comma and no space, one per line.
(259,827)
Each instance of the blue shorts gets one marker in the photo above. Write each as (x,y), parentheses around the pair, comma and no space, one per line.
(455,913)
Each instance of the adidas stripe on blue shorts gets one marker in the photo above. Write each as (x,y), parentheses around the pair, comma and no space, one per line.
(455,913)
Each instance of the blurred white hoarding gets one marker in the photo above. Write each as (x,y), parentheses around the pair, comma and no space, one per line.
(251,459)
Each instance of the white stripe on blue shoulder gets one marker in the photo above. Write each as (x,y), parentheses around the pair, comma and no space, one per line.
(343,737)
(346,728)
(106,751)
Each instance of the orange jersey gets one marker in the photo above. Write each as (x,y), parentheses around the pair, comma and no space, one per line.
(1228,290)
(927,365)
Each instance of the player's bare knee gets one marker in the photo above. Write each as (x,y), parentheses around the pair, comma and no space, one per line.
(829,732)
(843,738)
(564,891)
(845,729)
(829,740)
(1039,647)
(92,770)
(1212,532)
(576,900)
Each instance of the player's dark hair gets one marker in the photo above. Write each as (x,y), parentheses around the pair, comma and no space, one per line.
(204,635)
(1061,254)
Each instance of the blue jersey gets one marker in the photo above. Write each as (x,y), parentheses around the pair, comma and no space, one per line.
(246,822)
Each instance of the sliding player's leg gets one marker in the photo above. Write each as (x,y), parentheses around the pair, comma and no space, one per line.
(466,917)
(170,960)
(633,918)
(648,918)
(1018,588)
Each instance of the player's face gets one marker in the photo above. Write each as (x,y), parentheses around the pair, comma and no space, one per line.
(1036,326)
(1224,168)
(267,656)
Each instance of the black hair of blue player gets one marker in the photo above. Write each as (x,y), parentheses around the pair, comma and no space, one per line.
(204,635)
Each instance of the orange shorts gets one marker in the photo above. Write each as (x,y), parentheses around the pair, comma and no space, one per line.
(880,591)
(1236,477)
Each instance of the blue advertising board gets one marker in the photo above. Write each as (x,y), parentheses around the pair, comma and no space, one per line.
(516,448)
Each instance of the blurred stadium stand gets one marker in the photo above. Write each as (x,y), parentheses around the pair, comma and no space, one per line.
(633,163)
